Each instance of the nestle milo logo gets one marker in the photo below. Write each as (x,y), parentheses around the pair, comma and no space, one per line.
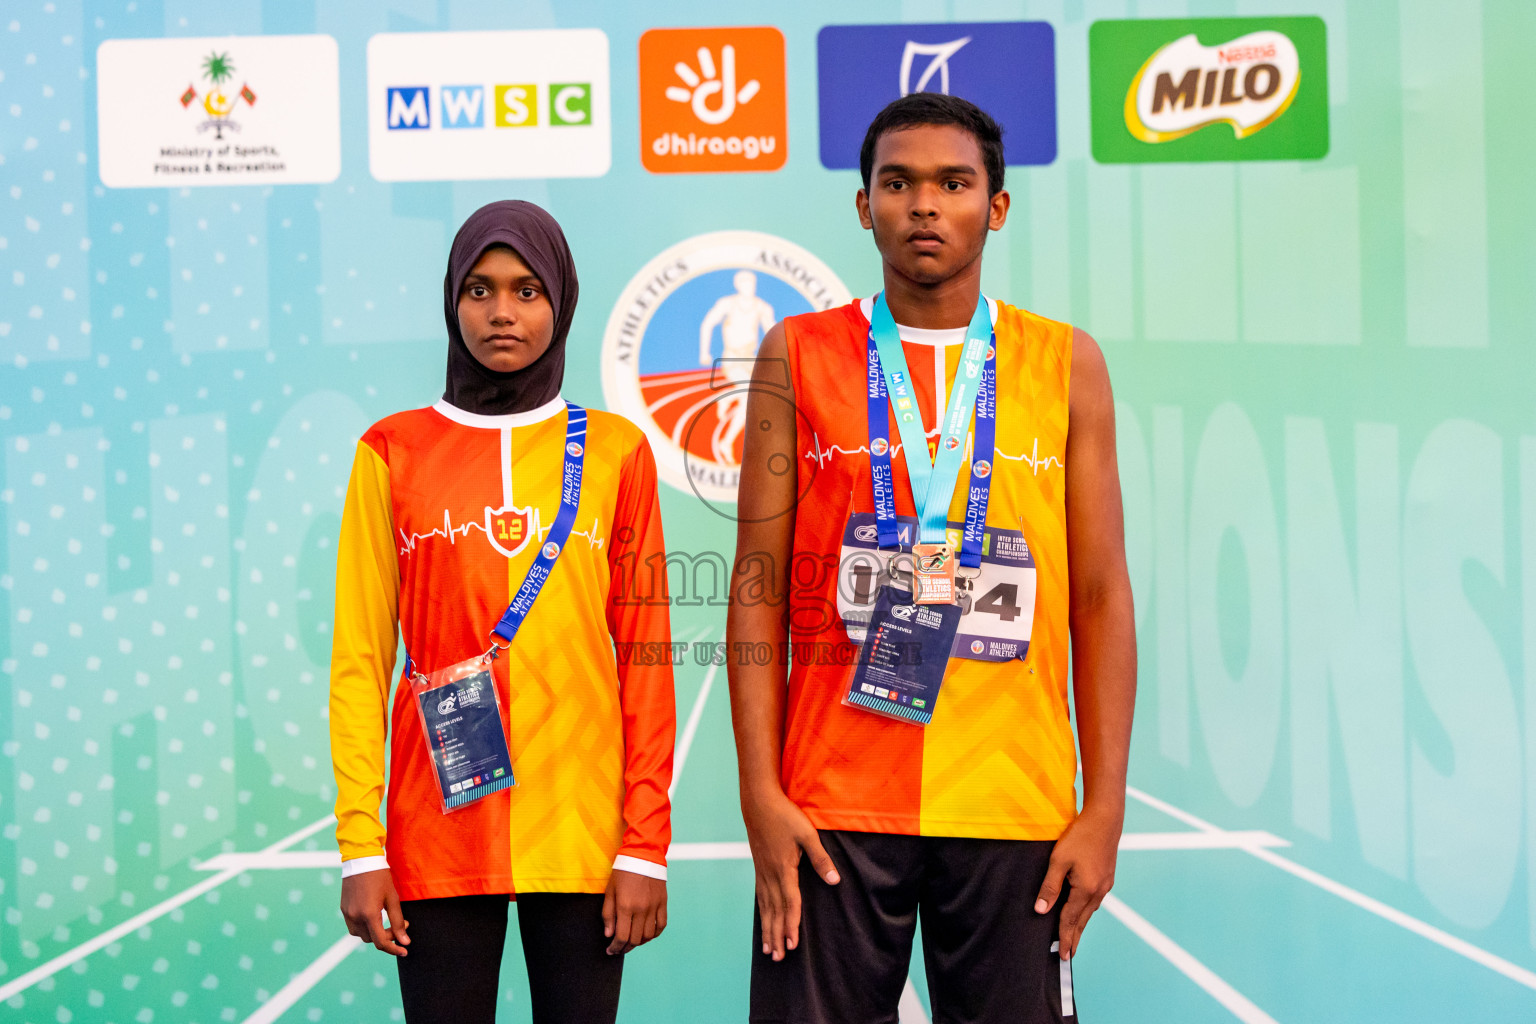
(1185,86)
(1201,89)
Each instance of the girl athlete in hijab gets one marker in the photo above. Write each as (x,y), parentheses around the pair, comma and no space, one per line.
(457,516)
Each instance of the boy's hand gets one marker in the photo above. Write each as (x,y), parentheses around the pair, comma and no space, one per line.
(780,833)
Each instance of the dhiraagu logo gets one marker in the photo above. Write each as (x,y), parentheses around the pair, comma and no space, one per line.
(456,105)
(1209,89)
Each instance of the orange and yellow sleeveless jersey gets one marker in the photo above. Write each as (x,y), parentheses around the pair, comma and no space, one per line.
(444,514)
(998,759)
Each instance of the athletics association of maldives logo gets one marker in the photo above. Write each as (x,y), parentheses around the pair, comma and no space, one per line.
(682,340)
(219,105)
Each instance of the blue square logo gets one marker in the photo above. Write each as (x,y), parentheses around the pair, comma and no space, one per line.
(463,106)
(408,107)
(1007,68)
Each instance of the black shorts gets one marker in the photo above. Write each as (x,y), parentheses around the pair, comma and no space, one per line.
(989,956)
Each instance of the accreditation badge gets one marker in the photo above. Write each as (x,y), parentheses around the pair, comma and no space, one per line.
(997,601)
(461,721)
(905,653)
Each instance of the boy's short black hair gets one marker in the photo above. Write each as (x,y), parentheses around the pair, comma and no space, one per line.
(936,108)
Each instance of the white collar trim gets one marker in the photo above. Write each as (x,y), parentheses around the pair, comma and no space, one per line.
(511,419)
(927,336)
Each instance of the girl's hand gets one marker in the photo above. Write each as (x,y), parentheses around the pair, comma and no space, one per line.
(634,910)
(363,898)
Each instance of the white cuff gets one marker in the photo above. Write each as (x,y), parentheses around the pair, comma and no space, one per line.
(640,867)
(359,865)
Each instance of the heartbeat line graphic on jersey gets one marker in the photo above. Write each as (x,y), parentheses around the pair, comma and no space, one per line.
(509,529)
(593,540)
(1033,459)
(410,540)
(510,524)
(822,455)
(1030,458)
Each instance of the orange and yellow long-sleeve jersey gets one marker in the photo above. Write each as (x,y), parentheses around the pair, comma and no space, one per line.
(444,513)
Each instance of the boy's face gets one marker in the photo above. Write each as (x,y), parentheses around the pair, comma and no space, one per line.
(927,201)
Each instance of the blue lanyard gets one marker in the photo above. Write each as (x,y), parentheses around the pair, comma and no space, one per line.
(975,388)
(565,519)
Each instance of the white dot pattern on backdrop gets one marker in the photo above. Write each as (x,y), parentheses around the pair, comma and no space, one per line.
(181,405)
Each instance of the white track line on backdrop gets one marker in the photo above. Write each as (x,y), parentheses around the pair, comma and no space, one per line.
(1131,842)
(709,851)
(1193,969)
(305,980)
(271,861)
(690,729)
(1217,840)
(1445,939)
(138,921)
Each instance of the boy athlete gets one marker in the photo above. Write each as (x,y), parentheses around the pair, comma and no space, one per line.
(859,815)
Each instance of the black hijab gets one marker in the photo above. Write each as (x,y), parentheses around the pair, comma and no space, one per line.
(539,242)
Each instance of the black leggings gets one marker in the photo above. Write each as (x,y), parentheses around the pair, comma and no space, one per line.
(451,975)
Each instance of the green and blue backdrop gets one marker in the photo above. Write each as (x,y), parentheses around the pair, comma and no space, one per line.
(1320,338)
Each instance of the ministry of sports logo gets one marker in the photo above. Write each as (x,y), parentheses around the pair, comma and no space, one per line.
(681,342)
(185,111)
(219,70)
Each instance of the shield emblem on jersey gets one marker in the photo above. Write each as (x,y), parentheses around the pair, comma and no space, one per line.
(509,529)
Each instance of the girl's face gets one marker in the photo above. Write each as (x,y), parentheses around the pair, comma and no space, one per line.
(505,314)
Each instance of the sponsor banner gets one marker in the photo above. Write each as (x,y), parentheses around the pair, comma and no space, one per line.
(1200,89)
(452,106)
(1008,68)
(680,346)
(232,110)
(712,99)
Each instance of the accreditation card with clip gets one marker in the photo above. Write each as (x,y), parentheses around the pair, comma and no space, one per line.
(906,650)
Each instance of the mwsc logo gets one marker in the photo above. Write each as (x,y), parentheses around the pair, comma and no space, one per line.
(454,105)
(1209,89)
(516,105)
